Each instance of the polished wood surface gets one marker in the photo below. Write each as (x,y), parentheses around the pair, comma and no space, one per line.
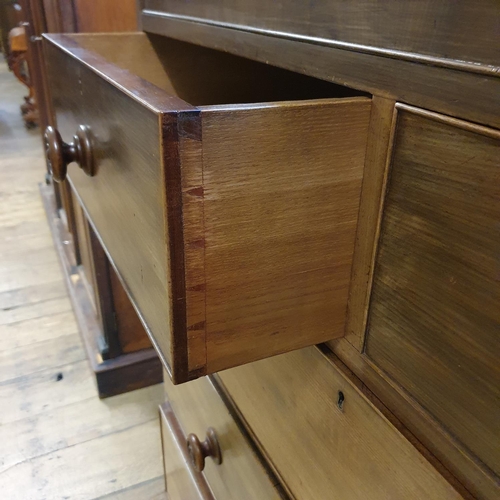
(58,438)
(322,434)
(434,316)
(198,407)
(208,302)
(458,93)
(427,28)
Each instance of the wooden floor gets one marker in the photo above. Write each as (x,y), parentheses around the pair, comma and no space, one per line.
(57,439)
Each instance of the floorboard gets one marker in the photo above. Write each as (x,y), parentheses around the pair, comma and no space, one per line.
(58,439)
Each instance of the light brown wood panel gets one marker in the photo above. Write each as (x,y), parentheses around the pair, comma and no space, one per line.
(26,359)
(47,322)
(34,393)
(290,403)
(105,15)
(197,406)
(281,197)
(434,321)
(475,477)
(218,217)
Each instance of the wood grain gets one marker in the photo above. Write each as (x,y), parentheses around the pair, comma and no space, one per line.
(197,406)
(434,319)
(84,253)
(424,427)
(280,223)
(84,477)
(375,173)
(205,184)
(290,404)
(46,325)
(26,359)
(54,428)
(425,27)
(30,295)
(38,435)
(457,93)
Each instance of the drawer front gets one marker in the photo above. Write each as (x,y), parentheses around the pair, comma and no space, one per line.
(123,201)
(324,437)
(434,318)
(198,407)
(182,483)
(231,225)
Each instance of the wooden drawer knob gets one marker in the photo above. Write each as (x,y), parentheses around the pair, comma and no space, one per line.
(198,451)
(60,154)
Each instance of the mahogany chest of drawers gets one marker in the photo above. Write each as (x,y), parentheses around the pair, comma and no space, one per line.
(302,202)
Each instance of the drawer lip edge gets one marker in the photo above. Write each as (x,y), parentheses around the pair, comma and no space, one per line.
(354,100)
(152,97)
(144,92)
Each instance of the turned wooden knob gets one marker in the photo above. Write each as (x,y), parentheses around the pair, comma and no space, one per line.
(60,154)
(198,450)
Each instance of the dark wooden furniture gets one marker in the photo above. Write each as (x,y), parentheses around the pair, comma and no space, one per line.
(14,45)
(118,347)
(17,61)
(266,176)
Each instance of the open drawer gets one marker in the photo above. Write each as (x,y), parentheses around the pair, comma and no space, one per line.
(225,191)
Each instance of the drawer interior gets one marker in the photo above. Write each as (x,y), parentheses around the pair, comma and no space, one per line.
(206,77)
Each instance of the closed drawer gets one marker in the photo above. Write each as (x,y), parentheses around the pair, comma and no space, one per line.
(324,437)
(198,407)
(225,192)
(182,483)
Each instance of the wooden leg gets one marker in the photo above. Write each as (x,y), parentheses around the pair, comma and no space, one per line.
(29,110)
